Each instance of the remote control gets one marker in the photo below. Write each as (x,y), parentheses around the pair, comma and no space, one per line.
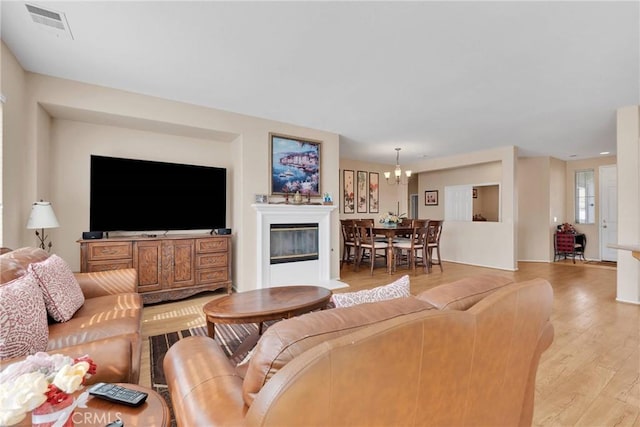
(118,394)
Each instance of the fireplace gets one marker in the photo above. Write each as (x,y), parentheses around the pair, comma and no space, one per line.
(293,242)
(293,245)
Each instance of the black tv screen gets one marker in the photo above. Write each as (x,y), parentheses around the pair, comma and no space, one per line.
(142,195)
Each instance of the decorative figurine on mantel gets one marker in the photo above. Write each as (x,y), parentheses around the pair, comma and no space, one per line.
(297,198)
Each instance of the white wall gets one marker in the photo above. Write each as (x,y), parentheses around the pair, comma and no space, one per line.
(466,241)
(15,206)
(73,142)
(534,209)
(557,197)
(628,150)
(391,196)
(46,165)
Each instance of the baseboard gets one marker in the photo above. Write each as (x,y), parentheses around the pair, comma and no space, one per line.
(481,265)
(628,302)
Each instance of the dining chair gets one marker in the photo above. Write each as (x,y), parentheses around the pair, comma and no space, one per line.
(405,222)
(419,223)
(434,231)
(366,244)
(415,249)
(348,241)
(406,237)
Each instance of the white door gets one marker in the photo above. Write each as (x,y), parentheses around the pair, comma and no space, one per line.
(608,212)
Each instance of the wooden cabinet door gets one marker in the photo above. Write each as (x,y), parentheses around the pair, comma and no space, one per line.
(147,259)
(179,270)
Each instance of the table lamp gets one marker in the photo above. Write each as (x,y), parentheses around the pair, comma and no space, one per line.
(42,217)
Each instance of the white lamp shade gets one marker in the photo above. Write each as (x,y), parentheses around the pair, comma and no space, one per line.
(42,216)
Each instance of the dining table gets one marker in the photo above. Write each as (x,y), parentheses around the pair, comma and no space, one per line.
(390,232)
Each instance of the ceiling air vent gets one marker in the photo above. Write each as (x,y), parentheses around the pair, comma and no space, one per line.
(50,20)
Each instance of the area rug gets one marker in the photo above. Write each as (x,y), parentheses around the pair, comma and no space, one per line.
(228,336)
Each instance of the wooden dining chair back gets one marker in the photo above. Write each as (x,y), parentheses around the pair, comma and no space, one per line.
(367,221)
(405,222)
(348,227)
(417,223)
(434,231)
(415,248)
(367,246)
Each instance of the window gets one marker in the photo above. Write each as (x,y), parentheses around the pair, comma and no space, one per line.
(585,197)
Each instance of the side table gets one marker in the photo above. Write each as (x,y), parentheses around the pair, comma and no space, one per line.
(154,412)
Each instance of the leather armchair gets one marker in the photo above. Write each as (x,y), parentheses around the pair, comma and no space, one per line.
(465,353)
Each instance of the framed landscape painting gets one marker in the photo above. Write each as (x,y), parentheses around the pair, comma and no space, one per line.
(374,195)
(363,191)
(348,193)
(294,165)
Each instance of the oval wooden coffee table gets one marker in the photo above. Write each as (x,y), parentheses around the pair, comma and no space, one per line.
(260,305)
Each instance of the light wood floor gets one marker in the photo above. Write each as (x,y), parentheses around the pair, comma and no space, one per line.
(590,376)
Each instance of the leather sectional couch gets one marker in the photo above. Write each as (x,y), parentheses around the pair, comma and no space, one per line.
(463,353)
(107,326)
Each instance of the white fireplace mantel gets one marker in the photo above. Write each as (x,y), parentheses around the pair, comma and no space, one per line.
(313,272)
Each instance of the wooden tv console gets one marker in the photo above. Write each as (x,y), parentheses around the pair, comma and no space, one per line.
(169,267)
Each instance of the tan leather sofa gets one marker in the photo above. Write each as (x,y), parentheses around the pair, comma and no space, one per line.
(107,327)
(464,353)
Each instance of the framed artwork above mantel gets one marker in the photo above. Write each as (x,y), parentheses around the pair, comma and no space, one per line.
(294,165)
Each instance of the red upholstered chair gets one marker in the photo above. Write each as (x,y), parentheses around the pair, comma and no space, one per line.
(565,245)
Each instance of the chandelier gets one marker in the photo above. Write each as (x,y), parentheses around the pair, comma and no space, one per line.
(397,173)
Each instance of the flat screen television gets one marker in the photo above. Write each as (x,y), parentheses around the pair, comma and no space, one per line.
(143,195)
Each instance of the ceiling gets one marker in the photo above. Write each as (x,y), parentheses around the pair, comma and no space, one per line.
(434,78)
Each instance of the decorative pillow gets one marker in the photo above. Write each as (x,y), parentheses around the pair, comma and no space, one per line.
(60,289)
(243,365)
(23,318)
(397,289)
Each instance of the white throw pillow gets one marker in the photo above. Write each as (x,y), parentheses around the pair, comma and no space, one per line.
(397,289)
(60,289)
(23,318)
